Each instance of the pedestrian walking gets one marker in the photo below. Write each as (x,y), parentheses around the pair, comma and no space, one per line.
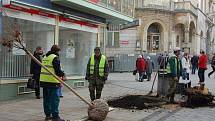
(174,71)
(185,67)
(212,65)
(97,73)
(202,67)
(35,70)
(51,85)
(141,67)
(194,62)
(149,69)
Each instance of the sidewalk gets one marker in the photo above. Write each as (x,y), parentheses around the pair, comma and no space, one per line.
(118,84)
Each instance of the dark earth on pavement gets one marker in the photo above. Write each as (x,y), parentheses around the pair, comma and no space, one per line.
(138,102)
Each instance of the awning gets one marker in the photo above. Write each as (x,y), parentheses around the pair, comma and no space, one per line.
(111,15)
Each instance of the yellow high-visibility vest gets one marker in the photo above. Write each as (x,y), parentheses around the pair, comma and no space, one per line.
(101,65)
(45,76)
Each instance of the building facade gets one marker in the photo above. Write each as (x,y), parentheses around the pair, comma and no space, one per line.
(165,24)
(77,26)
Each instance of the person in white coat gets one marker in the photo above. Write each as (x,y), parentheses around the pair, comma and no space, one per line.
(185,67)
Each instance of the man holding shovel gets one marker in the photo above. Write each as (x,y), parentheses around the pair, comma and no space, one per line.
(97,73)
(50,84)
(173,69)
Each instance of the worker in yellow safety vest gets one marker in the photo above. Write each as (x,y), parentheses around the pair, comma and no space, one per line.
(50,84)
(97,73)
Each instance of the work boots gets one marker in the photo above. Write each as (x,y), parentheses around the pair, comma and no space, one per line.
(48,118)
(171,99)
(57,119)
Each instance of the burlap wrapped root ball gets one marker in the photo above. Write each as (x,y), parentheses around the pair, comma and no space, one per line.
(99,110)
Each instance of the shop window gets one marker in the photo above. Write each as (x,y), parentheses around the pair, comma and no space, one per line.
(113,39)
(16,63)
(76,48)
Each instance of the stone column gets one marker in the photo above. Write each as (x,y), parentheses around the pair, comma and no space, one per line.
(186,40)
(198,44)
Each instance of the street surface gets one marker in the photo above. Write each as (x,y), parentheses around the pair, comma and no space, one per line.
(118,84)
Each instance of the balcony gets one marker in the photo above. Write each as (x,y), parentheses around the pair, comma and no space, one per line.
(112,10)
(185,6)
(144,4)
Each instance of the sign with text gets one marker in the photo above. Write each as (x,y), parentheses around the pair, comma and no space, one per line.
(124,42)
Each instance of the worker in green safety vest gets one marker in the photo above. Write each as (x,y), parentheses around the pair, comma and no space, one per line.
(97,73)
(50,84)
(174,70)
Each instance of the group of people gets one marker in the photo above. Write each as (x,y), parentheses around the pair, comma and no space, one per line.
(177,64)
(144,67)
(96,73)
(181,66)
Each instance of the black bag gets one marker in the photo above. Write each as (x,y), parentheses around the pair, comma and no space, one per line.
(134,72)
(31,83)
(145,76)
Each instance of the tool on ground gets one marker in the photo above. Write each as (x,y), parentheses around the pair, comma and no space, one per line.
(153,83)
(14,39)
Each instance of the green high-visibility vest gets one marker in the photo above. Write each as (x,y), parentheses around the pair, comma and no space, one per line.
(101,65)
(45,76)
(168,70)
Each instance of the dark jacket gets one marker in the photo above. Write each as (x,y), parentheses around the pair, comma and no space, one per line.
(57,68)
(161,60)
(35,68)
(194,60)
(96,71)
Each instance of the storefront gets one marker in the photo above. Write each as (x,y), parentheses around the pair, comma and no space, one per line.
(77,38)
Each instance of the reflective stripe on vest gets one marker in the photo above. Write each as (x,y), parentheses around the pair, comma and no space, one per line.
(101,65)
(168,70)
(45,76)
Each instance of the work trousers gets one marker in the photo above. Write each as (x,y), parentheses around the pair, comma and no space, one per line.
(51,101)
(95,88)
(172,87)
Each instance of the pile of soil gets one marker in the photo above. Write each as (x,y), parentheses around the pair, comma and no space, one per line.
(138,102)
(198,97)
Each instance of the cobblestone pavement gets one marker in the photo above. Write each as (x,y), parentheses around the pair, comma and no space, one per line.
(118,84)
